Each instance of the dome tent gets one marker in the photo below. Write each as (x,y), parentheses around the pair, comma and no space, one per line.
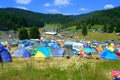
(108,55)
(5,55)
(58,52)
(41,52)
(22,53)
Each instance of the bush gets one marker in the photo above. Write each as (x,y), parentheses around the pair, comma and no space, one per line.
(23,34)
(34,33)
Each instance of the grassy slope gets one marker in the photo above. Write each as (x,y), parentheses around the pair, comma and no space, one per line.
(91,35)
(101,36)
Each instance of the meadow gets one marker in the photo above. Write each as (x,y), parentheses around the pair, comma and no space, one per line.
(75,68)
(61,68)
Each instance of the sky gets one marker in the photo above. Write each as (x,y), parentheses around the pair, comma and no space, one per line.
(66,7)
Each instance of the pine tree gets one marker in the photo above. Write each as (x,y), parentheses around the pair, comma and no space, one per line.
(78,26)
(84,30)
(117,30)
(105,28)
(110,28)
(34,33)
(23,34)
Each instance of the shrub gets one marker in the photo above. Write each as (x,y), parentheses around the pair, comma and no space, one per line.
(23,34)
(34,33)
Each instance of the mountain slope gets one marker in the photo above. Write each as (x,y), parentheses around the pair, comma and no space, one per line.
(18,17)
(47,18)
(110,16)
(13,18)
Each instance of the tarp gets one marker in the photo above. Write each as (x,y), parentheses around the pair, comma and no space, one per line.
(5,55)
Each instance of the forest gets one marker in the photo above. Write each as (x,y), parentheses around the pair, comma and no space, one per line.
(13,19)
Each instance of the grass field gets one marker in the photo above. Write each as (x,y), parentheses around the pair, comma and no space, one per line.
(90,36)
(55,68)
(98,36)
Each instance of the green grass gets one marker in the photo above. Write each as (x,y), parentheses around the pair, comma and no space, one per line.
(98,36)
(59,69)
(48,26)
(91,35)
(62,68)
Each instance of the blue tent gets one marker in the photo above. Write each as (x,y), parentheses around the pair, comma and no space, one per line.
(54,45)
(26,54)
(5,55)
(58,52)
(108,55)
(88,50)
(111,56)
(46,42)
(22,53)
(103,53)
(31,44)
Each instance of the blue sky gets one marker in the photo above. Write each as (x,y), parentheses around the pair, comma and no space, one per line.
(66,7)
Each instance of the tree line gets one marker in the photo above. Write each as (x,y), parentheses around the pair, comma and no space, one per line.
(13,18)
(31,33)
(110,19)
(13,22)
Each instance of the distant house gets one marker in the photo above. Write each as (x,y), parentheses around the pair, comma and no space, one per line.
(117,34)
(50,31)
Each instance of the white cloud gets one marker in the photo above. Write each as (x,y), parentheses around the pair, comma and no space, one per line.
(83,9)
(53,11)
(23,1)
(21,7)
(108,6)
(62,2)
(47,4)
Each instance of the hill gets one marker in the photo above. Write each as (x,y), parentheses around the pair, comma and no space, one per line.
(13,18)
(102,17)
